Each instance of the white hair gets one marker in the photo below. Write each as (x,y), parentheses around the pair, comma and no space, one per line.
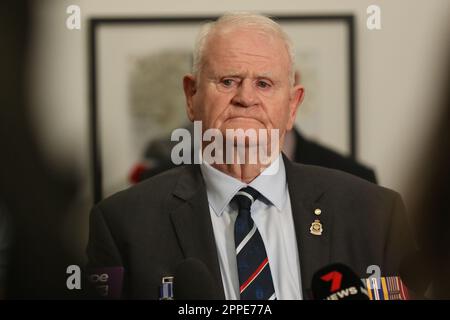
(236,20)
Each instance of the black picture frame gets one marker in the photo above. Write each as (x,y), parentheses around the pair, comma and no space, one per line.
(96,22)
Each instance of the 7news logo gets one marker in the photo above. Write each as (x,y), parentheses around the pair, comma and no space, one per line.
(342,284)
(337,293)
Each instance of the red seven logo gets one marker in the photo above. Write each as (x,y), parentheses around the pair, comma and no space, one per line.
(335,278)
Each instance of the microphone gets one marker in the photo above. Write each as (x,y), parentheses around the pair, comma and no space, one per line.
(107,281)
(193,281)
(337,282)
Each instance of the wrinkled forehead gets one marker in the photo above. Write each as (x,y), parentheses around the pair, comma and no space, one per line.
(246,38)
(236,50)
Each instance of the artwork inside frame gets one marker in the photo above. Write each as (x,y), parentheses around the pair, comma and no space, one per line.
(136,95)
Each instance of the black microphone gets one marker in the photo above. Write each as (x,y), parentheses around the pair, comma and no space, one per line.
(337,282)
(107,281)
(193,281)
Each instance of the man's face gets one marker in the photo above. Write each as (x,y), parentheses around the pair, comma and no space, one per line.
(243,84)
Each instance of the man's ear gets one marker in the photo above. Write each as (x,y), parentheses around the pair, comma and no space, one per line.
(190,88)
(297,95)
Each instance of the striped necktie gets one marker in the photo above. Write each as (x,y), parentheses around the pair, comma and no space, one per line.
(255,278)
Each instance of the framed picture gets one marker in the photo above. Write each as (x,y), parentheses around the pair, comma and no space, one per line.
(136,96)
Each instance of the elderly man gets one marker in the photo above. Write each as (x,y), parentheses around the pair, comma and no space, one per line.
(262,229)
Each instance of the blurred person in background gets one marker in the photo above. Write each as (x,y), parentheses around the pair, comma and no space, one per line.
(36,197)
(427,271)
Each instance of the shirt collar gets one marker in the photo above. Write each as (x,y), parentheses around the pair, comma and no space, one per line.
(221,188)
(271,183)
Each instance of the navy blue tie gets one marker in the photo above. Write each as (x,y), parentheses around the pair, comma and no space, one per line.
(255,278)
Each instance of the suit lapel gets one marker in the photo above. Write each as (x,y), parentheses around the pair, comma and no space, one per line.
(192,223)
(306,197)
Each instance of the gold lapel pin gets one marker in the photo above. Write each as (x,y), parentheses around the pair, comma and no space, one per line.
(316,228)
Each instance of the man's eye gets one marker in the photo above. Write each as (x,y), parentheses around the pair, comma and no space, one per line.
(263,84)
(228,82)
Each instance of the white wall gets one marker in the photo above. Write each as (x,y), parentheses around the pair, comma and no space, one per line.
(399,75)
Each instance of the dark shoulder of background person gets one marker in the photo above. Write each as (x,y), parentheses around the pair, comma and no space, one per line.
(313,153)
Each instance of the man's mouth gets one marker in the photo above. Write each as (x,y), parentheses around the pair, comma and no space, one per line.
(243,118)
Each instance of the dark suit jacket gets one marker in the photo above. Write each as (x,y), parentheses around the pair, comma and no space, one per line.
(150,228)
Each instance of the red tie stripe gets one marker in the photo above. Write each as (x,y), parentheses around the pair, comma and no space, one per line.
(254,275)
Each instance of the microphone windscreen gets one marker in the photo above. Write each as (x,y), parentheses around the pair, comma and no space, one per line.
(193,281)
(107,281)
(337,282)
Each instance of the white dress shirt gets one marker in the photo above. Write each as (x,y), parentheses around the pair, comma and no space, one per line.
(272,215)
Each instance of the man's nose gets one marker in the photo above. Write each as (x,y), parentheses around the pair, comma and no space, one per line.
(246,95)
